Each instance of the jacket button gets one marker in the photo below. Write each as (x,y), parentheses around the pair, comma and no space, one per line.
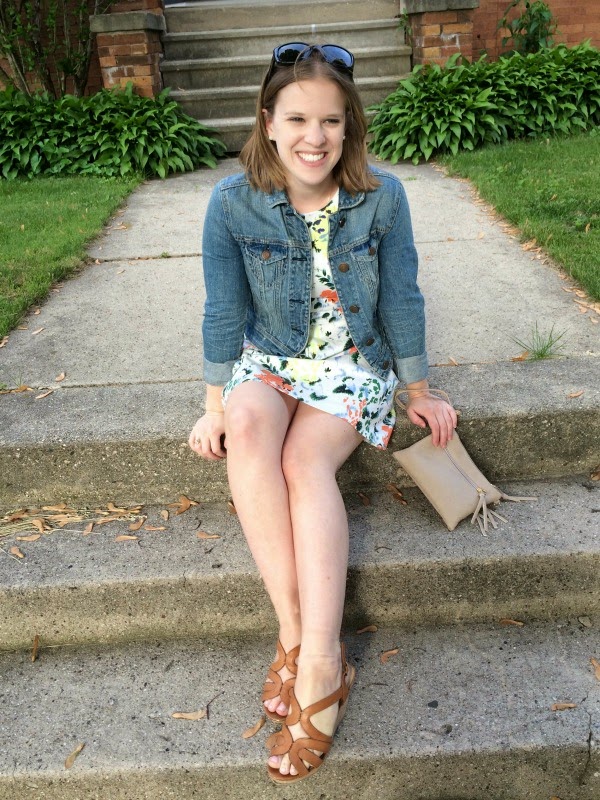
(354,309)
(386,364)
(344,267)
(372,251)
(265,254)
(342,222)
(370,341)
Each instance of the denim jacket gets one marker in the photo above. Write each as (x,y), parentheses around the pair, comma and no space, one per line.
(257,260)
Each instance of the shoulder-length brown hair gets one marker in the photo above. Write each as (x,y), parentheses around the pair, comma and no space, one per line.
(259,155)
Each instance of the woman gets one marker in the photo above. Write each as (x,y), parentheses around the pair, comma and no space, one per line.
(312,317)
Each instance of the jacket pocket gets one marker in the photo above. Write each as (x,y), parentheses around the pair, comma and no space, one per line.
(265,263)
(366,260)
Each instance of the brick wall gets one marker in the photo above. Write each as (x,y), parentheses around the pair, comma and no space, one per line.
(132,56)
(437,35)
(577,21)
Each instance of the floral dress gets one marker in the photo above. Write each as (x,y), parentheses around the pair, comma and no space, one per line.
(329,374)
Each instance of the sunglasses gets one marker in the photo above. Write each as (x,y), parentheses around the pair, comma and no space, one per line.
(286,55)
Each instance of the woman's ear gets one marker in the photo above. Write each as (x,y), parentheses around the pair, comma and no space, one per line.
(268,123)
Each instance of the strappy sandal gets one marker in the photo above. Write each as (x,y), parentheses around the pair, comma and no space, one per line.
(274,686)
(302,749)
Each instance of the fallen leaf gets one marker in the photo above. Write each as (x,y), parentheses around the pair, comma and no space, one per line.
(22,327)
(40,524)
(37,312)
(368,629)
(385,656)
(114,510)
(36,644)
(516,622)
(529,245)
(585,621)
(71,759)
(4,341)
(154,528)
(164,514)
(60,377)
(120,271)
(204,535)
(481,235)
(125,537)
(250,732)
(583,309)
(193,715)
(59,507)
(596,665)
(576,394)
(523,357)
(562,706)
(453,362)
(44,394)
(396,493)
(183,505)
(595,476)
(231,507)
(135,526)
(365,499)
(35,333)
(16,552)
(88,529)
(33,538)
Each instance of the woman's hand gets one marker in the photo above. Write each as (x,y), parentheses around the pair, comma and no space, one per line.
(426,409)
(205,438)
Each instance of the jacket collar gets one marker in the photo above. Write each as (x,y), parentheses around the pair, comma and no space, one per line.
(347,200)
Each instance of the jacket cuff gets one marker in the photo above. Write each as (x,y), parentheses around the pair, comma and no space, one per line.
(412,369)
(217,374)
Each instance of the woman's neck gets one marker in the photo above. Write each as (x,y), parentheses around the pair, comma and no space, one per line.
(312,199)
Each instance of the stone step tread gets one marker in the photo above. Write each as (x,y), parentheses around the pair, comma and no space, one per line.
(230,4)
(403,565)
(252,91)
(283,30)
(460,706)
(256,60)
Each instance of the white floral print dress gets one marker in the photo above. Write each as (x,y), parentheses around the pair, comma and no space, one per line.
(330,374)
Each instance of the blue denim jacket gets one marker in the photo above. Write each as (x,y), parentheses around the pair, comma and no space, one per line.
(257,262)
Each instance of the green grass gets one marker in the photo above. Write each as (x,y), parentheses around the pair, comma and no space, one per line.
(549,188)
(45,224)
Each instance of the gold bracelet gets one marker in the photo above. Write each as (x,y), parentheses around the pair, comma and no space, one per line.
(212,412)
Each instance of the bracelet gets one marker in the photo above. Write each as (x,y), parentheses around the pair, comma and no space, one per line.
(212,413)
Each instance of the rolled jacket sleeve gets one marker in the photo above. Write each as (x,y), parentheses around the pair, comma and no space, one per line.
(400,306)
(227,294)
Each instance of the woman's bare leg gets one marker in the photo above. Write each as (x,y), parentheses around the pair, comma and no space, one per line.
(257,418)
(316,445)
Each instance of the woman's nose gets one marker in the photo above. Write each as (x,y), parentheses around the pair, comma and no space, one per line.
(315,134)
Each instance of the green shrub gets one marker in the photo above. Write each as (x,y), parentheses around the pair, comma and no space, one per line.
(532,30)
(112,133)
(463,106)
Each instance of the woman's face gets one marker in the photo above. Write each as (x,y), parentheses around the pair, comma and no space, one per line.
(307,126)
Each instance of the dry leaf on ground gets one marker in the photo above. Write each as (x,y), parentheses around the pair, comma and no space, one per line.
(385,656)
(193,715)
(4,341)
(250,732)
(516,622)
(205,535)
(396,493)
(33,538)
(88,529)
(154,528)
(585,621)
(35,333)
(596,665)
(36,644)
(231,507)
(164,514)
(595,475)
(367,629)
(523,357)
(135,526)
(16,552)
(124,537)
(44,394)
(364,499)
(60,377)
(454,362)
(71,759)
(183,505)
(562,706)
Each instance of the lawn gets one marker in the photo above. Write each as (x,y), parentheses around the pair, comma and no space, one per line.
(45,225)
(549,189)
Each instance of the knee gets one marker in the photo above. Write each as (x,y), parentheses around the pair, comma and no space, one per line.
(301,466)
(245,426)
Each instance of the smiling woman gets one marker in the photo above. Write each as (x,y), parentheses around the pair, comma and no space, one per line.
(313,315)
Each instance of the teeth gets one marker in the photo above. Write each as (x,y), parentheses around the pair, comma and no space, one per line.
(311,156)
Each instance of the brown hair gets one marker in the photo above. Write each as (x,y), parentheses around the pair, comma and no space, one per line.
(259,155)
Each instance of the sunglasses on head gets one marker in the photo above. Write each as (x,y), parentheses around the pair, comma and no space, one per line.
(286,55)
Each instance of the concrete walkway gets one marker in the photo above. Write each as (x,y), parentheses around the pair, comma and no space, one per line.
(127,333)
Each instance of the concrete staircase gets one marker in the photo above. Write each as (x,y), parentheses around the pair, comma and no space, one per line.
(133,631)
(217,52)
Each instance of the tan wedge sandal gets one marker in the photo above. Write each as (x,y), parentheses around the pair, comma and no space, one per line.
(302,750)
(274,686)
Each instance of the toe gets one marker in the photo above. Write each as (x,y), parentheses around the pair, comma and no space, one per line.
(282,710)
(275,762)
(284,767)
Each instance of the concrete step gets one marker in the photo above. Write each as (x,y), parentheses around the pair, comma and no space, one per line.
(202,73)
(240,101)
(459,712)
(257,41)
(228,14)
(85,443)
(405,568)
